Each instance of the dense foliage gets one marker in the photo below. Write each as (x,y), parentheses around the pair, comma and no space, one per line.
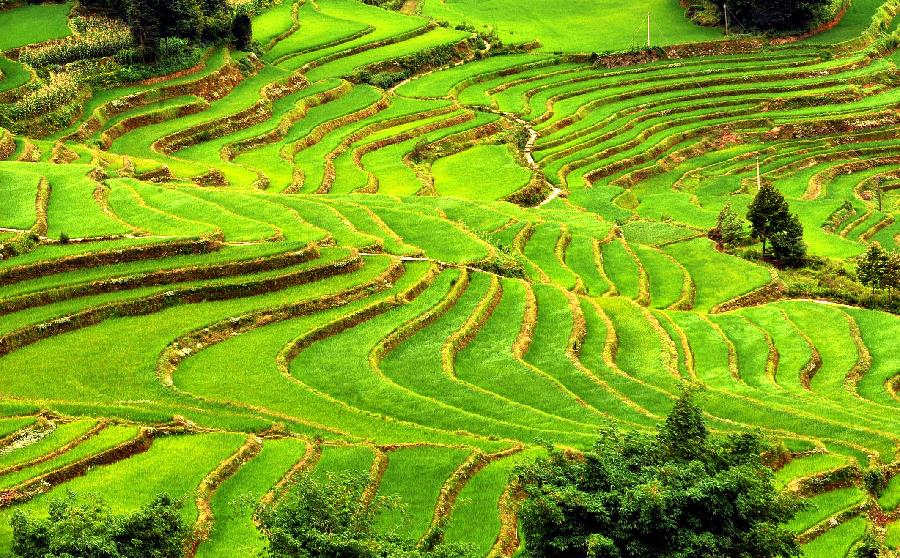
(771,220)
(678,493)
(331,519)
(729,229)
(879,269)
(773,15)
(92,530)
(153,21)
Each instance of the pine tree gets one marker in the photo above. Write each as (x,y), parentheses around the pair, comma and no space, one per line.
(767,213)
(788,246)
(873,267)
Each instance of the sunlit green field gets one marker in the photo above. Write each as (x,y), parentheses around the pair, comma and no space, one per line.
(442,269)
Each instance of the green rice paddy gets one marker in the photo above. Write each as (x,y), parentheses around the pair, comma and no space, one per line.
(419,283)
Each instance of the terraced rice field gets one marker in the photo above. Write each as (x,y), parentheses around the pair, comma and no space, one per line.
(271,263)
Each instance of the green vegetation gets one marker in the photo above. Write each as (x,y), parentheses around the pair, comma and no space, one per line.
(259,253)
(680,492)
(93,530)
(53,18)
(328,519)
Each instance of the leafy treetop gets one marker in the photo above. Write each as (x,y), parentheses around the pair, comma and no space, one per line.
(679,493)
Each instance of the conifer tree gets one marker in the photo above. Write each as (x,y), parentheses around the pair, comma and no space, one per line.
(768,213)
(873,267)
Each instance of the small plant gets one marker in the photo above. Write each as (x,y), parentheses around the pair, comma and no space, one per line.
(63,238)
(875,480)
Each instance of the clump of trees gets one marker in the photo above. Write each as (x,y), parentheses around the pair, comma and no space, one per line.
(680,492)
(331,519)
(197,21)
(75,528)
(772,15)
(879,269)
(772,222)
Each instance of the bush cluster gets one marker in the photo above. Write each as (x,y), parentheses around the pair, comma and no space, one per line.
(75,528)
(679,492)
(330,518)
(404,67)
(777,16)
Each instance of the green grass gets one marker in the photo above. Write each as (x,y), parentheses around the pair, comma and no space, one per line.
(729,277)
(823,506)
(808,466)
(272,22)
(475,519)
(666,278)
(486,172)
(836,541)
(11,425)
(439,238)
(106,439)
(890,498)
(431,467)
(60,436)
(235,502)
(19,187)
(53,20)
(581,26)
(620,267)
(892,535)
(495,346)
(174,465)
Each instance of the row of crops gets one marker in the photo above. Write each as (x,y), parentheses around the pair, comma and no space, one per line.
(265,266)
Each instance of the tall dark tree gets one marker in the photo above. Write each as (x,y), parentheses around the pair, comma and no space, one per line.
(788,246)
(892,273)
(144,22)
(872,269)
(242,31)
(679,493)
(182,18)
(767,213)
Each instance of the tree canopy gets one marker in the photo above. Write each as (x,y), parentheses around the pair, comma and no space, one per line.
(91,530)
(677,493)
(773,15)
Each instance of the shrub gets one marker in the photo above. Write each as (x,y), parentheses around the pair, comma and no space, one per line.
(729,230)
(788,246)
(242,31)
(329,518)
(876,480)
